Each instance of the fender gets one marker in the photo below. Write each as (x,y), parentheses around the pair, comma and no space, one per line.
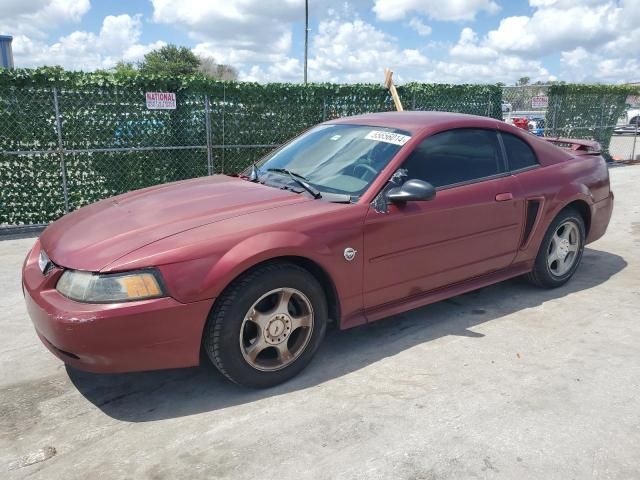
(552,206)
(568,194)
(259,248)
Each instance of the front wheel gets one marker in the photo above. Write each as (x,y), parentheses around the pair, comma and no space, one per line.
(560,252)
(267,325)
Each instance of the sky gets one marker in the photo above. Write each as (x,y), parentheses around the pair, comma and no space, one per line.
(445,41)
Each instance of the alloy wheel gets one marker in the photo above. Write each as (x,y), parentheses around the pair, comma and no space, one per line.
(563,250)
(276,329)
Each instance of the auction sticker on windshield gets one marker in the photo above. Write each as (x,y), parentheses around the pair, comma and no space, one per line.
(387,137)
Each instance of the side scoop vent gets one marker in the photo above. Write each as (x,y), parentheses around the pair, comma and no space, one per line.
(533,206)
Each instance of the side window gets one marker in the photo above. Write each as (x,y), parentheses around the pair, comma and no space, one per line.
(519,154)
(456,156)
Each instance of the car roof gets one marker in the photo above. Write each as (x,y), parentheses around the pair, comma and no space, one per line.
(415,121)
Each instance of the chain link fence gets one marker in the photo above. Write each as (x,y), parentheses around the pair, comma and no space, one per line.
(63,147)
(611,118)
(77,138)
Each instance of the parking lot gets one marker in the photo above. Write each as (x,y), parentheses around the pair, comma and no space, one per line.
(506,382)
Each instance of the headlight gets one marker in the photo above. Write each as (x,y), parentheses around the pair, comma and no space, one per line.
(110,287)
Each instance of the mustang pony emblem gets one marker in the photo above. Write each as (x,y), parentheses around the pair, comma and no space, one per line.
(349,254)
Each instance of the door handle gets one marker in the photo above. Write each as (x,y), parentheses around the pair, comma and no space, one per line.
(503,197)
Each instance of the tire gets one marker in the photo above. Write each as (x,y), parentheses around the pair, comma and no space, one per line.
(250,338)
(548,273)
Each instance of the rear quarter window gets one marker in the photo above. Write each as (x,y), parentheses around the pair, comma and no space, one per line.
(519,154)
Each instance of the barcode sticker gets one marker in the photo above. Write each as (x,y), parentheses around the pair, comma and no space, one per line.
(387,137)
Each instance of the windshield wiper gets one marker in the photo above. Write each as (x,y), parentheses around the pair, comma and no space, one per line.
(299,179)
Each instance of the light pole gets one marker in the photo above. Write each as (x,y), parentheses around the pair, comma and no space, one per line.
(306,37)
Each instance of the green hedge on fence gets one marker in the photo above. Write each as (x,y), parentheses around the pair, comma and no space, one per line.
(586,111)
(111,143)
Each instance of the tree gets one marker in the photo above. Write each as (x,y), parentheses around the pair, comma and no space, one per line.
(217,71)
(522,81)
(124,68)
(170,60)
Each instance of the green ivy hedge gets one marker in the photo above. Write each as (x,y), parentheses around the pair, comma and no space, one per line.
(586,111)
(104,110)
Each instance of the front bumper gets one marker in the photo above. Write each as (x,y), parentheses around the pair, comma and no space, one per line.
(108,338)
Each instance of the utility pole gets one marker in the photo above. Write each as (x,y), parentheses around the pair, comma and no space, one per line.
(306,37)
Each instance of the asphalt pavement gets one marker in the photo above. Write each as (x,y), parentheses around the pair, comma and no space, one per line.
(507,382)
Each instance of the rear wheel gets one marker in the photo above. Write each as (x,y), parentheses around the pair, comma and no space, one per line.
(560,252)
(267,325)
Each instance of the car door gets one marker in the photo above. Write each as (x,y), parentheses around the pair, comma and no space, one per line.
(470,228)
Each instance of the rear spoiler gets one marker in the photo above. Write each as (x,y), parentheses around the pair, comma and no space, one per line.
(577,146)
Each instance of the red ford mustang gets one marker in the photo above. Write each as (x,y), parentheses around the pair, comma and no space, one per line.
(355,220)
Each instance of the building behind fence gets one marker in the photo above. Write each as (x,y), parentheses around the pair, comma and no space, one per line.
(68,139)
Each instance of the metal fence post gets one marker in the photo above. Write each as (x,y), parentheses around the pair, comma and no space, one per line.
(63,167)
(224,107)
(324,108)
(207,123)
(556,107)
(600,130)
(635,138)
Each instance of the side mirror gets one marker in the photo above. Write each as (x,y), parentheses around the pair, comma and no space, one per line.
(412,191)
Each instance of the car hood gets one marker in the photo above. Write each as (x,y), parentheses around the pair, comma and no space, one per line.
(95,236)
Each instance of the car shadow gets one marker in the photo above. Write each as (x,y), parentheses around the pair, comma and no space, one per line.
(147,396)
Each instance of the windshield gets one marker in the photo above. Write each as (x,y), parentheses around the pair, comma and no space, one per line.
(342,159)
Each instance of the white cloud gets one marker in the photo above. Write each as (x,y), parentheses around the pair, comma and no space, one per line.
(585,40)
(420,27)
(471,59)
(35,17)
(117,40)
(596,39)
(234,30)
(355,51)
(10,9)
(468,50)
(563,3)
(504,69)
(445,10)
(341,50)
(239,54)
(585,66)
(286,70)
(256,36)
(553,29)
